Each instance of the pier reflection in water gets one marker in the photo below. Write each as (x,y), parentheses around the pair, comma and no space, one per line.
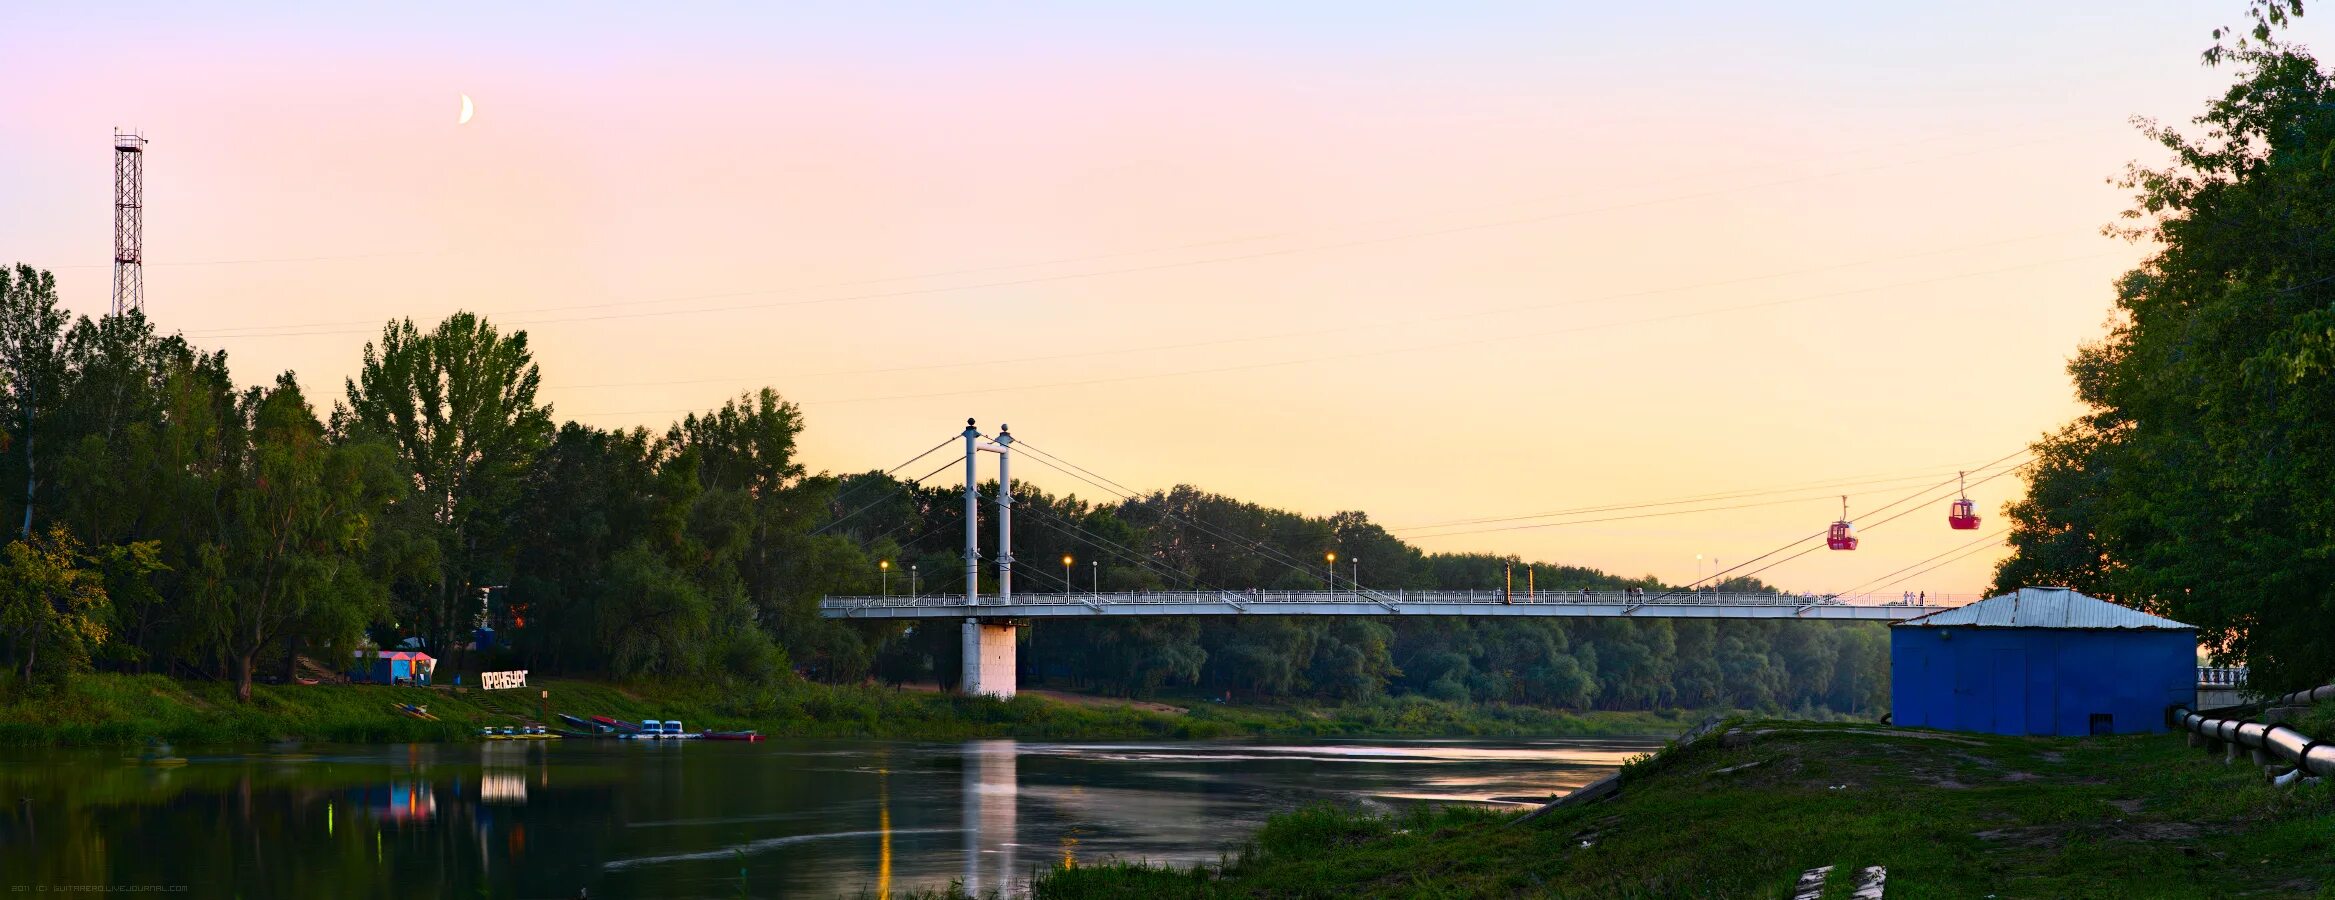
(623,818)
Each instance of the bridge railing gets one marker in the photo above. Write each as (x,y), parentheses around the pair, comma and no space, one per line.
(2221,676)
(1389,598)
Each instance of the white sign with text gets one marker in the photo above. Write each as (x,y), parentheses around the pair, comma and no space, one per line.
(497,681)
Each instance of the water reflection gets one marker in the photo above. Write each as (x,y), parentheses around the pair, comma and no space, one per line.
(627,818)
(991,804)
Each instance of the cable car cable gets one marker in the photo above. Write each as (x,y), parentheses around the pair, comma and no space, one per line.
(1727,571)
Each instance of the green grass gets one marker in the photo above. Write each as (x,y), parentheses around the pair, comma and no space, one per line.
(1949,815)
(115,710)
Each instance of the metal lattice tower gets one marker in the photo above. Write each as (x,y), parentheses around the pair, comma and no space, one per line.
(129,221)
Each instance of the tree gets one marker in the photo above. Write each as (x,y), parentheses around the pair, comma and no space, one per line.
(2200,482)
(289,557)
(32,336)
(458,404)
(53,606)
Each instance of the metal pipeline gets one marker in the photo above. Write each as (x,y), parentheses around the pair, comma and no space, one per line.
(2300,698)
(2289,744)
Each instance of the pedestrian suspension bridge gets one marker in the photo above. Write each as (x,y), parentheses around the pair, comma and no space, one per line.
(991,623)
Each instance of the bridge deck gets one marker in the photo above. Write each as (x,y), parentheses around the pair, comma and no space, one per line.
(1377,603)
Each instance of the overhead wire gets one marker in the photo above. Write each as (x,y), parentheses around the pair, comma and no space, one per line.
(1956,558)
(1975,542)
(1129,554)
(1900,515)
(1721,575)
(887,475)
(1650,515)
(1924,474)
(1260,547)
(854,513)
(264,330)
(1389,351)
(1316,332)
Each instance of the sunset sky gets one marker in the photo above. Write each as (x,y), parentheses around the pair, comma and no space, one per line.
(1435,265)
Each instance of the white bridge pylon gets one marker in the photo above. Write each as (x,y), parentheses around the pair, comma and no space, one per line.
(989,646)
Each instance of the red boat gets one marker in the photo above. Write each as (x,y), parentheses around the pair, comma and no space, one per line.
(618,724)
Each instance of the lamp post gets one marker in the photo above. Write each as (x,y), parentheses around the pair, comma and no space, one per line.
(1066,588)
(885,566)
(912,581)
(1094,569)
(1330,568)
(1355,582)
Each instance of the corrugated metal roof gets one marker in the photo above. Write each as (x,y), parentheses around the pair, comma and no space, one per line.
(2035,607)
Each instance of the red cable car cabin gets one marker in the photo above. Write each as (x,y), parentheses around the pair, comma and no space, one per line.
(1843,535)
(1964,515)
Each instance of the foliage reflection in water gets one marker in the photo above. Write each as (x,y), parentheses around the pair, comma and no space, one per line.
(682,818)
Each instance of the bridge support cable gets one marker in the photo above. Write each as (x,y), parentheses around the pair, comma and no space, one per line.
(905,464)
(1125,493)
(1070,590)
(894,485)
(1117,550)
(1720,576)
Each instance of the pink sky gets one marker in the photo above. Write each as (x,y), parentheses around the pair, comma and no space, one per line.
(1488,263)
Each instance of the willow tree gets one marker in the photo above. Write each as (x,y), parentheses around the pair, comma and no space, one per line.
(458,404)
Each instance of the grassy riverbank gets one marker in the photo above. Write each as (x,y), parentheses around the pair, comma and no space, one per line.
(115,710)
(1949,815)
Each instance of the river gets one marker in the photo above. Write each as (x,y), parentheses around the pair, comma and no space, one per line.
(703,819)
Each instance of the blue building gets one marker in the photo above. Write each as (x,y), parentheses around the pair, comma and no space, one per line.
(2040,661)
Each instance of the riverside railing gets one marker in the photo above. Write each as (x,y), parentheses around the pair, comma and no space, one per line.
(2221,676)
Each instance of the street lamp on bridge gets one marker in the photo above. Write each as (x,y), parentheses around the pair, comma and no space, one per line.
(1066,586)
(885,566)
(1330,568)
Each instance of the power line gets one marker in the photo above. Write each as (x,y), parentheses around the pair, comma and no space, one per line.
(1736,494)
(1389,351)
(1965,554)
(260,330)
(1721,574)
(1900,515)
(1973,543)
(1651,515)
(1122,351)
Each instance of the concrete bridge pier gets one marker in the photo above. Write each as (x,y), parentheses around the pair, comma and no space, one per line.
(990,656)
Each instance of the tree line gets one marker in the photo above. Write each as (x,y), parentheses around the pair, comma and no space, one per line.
(168,520)
(2200,480)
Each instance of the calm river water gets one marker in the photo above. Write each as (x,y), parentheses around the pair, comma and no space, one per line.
(701,819)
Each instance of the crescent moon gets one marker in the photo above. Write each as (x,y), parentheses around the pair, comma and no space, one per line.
(466,111)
